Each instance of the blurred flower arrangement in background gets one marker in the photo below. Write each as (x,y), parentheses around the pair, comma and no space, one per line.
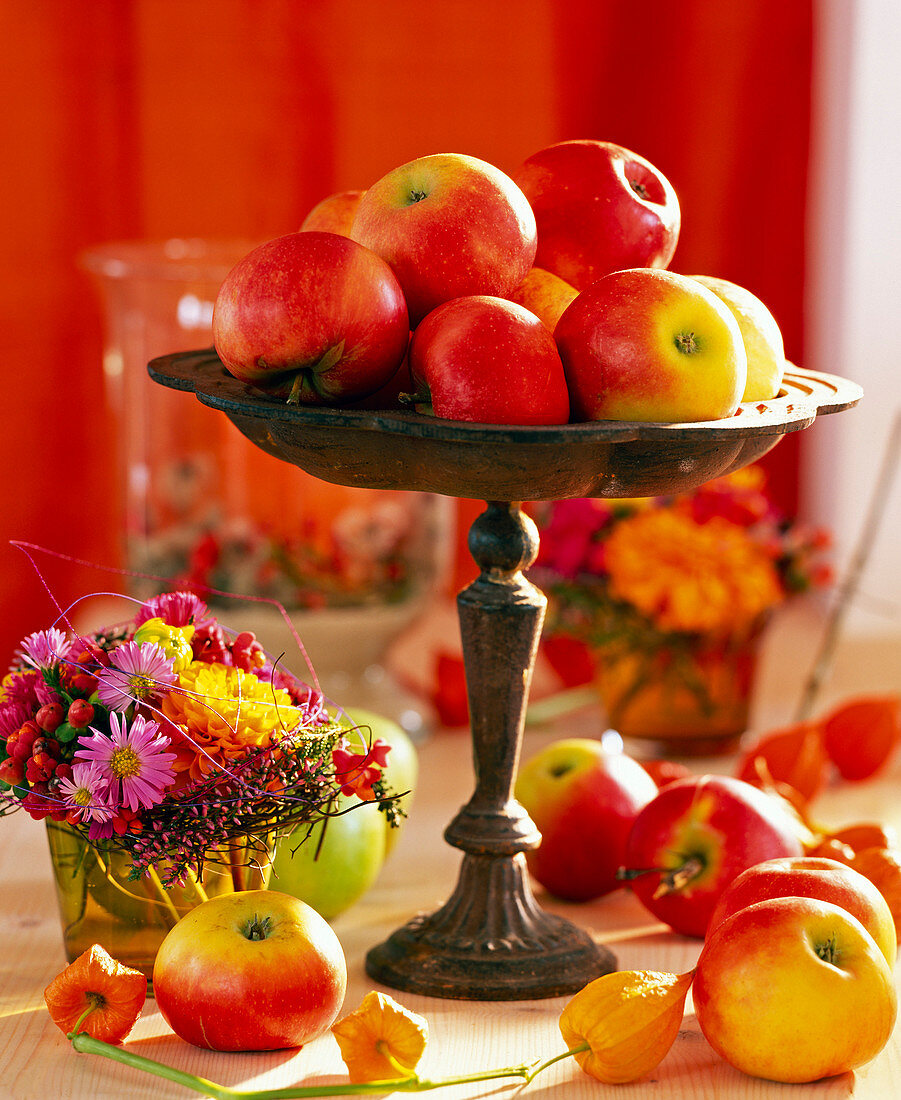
(662,600)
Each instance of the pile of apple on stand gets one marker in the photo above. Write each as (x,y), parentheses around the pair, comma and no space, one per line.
(544,298)
(452,288)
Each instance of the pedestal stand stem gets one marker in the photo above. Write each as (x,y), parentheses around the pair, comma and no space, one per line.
(491,940)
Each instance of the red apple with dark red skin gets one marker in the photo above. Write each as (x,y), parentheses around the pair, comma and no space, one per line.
(695,837)
(812,877)
(583,799)
(333,214)
(253,970)
(651,346)
(599,208)
(488,360)
(312,317)
(450,226)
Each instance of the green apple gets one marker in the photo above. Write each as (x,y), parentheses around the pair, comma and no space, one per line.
(331,875)
(402,769)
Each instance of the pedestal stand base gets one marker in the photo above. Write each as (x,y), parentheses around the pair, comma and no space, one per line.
(490,942)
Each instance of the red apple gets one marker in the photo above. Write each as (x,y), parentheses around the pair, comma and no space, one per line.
(545,294)
(599,208)
(697,835)
(488,360)
(646,345)
(812,877)
(313,317)
(253,970)
(450,226)
(333,214)
(794,989)
(583,799)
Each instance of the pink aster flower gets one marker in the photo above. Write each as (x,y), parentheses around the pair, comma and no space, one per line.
(84,794)
(137,672)
(132,759)
(174,608)
(45,648)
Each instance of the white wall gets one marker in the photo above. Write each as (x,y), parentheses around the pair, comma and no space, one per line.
(854,289)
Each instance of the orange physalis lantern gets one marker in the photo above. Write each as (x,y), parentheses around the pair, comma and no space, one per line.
(98,995)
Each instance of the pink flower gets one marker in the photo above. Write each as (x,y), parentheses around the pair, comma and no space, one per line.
(174,608)
(131,759)
(137,672)
(84,794)
(45,648)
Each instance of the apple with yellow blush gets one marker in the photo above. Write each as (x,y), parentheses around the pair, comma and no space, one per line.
(449,226)
(812,877)
(761,335)
(651,346)
(545,294)
(333,214)
(794,989)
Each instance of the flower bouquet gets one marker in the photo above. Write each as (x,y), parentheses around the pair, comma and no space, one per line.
(167,755)
(662,601)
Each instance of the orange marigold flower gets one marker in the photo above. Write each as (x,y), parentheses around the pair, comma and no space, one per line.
(691,578)
(220,712)
(621,1026)
(381,1040)
(114,993)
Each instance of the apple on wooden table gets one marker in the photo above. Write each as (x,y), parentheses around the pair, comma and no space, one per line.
(794,989)
(583,800)
(450,226)
(812,877)
(332,864)
(697,835)
(490,361)
(647,345)
(253,970)
(598,208)
(313,317)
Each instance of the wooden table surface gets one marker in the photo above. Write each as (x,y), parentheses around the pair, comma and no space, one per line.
(37,1063)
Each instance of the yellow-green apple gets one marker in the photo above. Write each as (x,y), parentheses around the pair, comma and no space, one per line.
(794,989)
(761,335)
(488,360)
(333,214)
(648,345)
(313,317)
(332,864)
(401,771)
(695,836)
(253,970)
(599,208)
(450,226)
(583,799)
(812,877)
(545,294)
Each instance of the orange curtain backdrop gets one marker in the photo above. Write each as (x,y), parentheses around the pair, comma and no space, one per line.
(147,119)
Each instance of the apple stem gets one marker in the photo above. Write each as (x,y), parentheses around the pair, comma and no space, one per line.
(672,879)
(257,928)
(828,951)
(687,343)
(87,1044)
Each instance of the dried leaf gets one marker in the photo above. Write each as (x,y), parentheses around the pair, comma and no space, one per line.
(627,1021)
(381,1040)
(114,993)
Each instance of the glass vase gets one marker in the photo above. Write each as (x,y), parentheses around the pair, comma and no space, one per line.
(130,919)
(692,699)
